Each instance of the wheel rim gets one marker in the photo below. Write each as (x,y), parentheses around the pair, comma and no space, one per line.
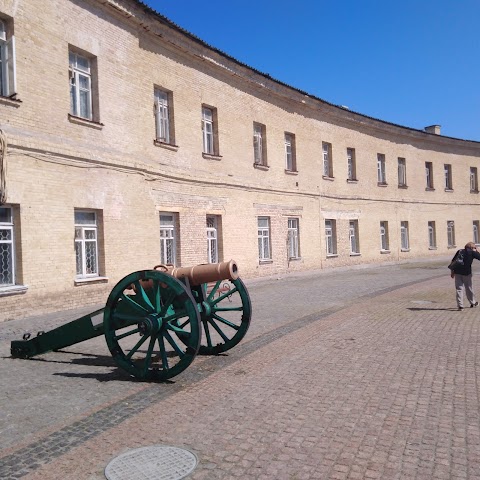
(225,314)
(146,314)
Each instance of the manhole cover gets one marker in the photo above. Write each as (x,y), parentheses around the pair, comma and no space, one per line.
(158,462)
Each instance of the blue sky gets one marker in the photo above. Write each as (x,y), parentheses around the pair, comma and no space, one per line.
(410,62)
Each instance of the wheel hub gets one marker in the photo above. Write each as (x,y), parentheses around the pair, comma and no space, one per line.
(150,325)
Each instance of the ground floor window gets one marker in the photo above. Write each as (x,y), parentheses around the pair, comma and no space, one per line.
(476,230)
(86,243)
(432,235)
(353,234)
(293,238)
(404,237)
(167,239)
(331,237)
(7,247)
(212,239)
(264,252)
(451,233)
(384,241)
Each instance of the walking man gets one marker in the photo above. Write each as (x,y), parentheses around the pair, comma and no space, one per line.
(463,274)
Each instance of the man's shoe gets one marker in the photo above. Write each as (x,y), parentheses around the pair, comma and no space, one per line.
(474,305)
(460,309)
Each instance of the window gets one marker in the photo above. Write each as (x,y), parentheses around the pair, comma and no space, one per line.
(163,116)
(292,239)
(168,245)
(432,235)
(404,240)
(259,144)
(209,131)
(402,172)
(80,86)
(476,230)
(7,247)
(384,242)
(451,233)
(7,61)
(264,238)
(448,177)
(212,239)
(353,235)
(331,237)
(290,160)
(86,243)
(473,180)
(351,164)
(381,177)
(429,175)
(327,160)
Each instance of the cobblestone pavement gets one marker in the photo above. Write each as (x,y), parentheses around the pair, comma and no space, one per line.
(353,374)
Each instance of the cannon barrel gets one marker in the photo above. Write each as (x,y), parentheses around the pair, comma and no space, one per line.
(204,273)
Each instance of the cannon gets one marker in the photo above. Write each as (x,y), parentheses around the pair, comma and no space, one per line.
(156,321)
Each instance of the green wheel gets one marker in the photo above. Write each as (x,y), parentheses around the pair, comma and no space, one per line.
(225,312)
(146,314)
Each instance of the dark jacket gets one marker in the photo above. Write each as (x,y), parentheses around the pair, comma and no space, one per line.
(468,256)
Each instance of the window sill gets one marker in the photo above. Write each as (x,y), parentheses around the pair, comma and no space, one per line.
(294,259)
(88,280)
(260,166)
(265,262)
(291,172)
(168,146)
(432,248)
(327,177)
(473,191)
(13,290)
(210,156)
(355,254)
(13,102)
(404,249)
(382,184)
(403,186)
(85,121)
(449,190)
(429,189)
(385,252)
(332,255)
(451,246)
(352,180)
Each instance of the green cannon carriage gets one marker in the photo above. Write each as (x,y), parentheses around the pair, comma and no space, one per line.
(156,321)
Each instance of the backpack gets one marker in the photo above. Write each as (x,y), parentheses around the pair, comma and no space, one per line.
(457,261)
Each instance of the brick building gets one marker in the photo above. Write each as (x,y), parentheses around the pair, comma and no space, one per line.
(127,142)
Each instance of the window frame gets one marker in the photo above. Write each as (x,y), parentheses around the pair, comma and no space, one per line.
(404,236)
(473,180)
(351,165)
(381,169)
(9,226)
(476,232)
(402,172)
(210,131)
(327,160)
(451,234)
(264,239)
(384,236)
(75,73)
(293,238)
(432,235)
(86,227)
(429,176)
(163,113)
(8,71)
(168,238)
(290,152)
(447,169)
(259,145)
(212,238)
(354,239)
(331,237)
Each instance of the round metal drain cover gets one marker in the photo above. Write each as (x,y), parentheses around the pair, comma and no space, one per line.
(158,462)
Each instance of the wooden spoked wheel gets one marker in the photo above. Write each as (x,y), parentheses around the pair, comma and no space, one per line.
(225,312)
(146,314)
